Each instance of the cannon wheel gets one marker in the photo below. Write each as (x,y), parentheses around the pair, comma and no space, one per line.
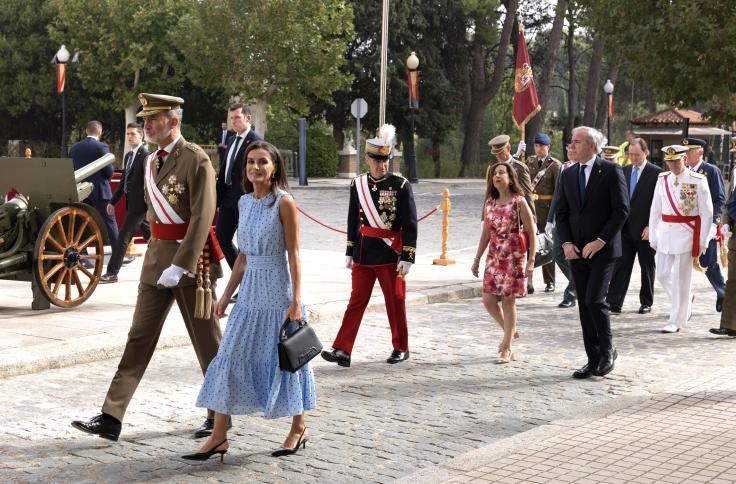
(57,267)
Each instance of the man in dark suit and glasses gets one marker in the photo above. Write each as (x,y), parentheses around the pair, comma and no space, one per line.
(131,185)
(641,180)
(592,209)
(85,152)
(230,180)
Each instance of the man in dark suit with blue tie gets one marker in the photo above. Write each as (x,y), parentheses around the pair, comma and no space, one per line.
(230,180)
(131,185)
(709,260)
(85,152)
(641,179)
(592,209)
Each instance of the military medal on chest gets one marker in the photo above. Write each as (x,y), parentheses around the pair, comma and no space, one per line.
(688,197)
(172,189)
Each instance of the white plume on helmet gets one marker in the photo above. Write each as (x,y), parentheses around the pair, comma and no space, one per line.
(387,133)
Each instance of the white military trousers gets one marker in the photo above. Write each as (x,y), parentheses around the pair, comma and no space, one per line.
(675,272)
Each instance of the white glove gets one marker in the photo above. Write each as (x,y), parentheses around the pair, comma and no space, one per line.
(349,262)
(520,148)
(726,230)
(404,267)
(549,228)
(171,276)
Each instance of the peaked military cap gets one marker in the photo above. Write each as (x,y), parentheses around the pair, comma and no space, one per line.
(542,139)
(694,143)
(498,143)
(155,103)
(674,152)
(610,152)
(381,147)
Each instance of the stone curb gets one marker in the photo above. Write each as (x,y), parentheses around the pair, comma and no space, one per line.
(58,355)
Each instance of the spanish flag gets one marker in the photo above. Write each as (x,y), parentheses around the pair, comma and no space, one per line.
(526,102)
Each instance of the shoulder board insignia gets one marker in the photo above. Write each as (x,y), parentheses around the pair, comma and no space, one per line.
(352,182)
(697,175)
(192,147)
(403,182)
(664,173)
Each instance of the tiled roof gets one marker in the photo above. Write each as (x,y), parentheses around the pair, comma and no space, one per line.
(670,116)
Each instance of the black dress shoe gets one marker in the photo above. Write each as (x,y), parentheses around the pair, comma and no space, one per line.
(719,304)
(614,310)
(530,289)
(605,366)
(719,331)
(397,357)
(550,287)
(205,430)
(644,309)
(128,259)
(585,372)
(104,425)
(337,356)
(567,303)
(108,278)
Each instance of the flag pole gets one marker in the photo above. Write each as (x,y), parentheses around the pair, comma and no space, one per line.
(522,158)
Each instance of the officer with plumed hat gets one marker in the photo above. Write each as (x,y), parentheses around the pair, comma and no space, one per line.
(181,263)
(381,244)
(709,260)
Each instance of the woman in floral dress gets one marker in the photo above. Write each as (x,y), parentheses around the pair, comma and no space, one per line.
(506,215)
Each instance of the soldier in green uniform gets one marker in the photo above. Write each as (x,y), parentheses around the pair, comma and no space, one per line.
(179,264)
(544,171)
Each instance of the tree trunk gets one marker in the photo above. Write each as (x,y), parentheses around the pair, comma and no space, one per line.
(548,71)
(338,134)
(482,87)
(572,94)
(593,86)
(260,121)
(436,158)
(600,120)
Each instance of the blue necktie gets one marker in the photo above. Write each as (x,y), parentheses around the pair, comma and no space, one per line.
(634,179)
(233,153)
(581,181)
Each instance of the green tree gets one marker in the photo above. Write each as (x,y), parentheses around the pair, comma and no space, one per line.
(269,51)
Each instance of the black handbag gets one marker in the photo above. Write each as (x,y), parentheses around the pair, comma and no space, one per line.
(298,348)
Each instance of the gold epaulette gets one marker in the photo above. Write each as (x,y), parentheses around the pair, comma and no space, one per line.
(664,173)
(193,147)
(698,175)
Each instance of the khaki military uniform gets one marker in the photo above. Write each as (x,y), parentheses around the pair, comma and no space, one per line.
(544,176)
(728,315)
(187,180)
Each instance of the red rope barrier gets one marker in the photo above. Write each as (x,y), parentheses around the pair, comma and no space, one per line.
(344,232)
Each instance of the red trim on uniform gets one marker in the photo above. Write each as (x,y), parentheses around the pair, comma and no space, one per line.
(169,231)
(397,242)
(153,195)
(687,219)
(368,199)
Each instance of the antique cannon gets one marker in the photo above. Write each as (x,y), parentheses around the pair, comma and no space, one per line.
(46,232)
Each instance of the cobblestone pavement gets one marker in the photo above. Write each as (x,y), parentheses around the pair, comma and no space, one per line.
(375,422)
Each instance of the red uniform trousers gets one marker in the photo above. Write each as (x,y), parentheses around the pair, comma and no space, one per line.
(364,278)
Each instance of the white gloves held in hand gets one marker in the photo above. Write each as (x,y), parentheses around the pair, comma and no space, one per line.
(404,267)
(520,148)
(171,276)
(549,228)
(349,262)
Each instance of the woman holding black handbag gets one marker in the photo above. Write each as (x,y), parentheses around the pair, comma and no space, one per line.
(245,376)
(509,233)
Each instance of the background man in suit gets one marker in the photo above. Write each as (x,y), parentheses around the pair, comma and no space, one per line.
(230,180)
(543,170)
(570,295)
(728,316)
(709,260)
(223,138)
(592,209)
(85,152)
(641,179)
(131,184)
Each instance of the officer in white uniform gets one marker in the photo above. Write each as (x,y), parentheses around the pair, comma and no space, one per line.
(679,230)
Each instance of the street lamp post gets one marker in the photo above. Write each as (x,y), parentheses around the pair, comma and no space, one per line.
(62,57)
(412,63)
(608,88)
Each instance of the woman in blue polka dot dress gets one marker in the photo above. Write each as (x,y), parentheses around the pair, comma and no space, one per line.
(245,377)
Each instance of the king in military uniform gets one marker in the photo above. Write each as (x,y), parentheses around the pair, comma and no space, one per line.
(679,230)
(544,171)
(382,239)
(181,263)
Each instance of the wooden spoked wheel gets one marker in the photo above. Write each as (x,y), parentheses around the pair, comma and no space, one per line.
(63,268)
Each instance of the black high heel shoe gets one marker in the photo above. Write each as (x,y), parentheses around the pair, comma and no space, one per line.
(208,454)
(286,451)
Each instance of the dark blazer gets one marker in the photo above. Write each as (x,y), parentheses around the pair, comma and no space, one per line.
(134,200)
(222,152)
(716,186)
(85,152)
(641,200)
(603,213)
(228,196)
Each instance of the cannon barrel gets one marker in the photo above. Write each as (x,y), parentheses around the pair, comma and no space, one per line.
(93,167)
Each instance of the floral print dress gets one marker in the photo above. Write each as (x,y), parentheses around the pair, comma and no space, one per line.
(505,262)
